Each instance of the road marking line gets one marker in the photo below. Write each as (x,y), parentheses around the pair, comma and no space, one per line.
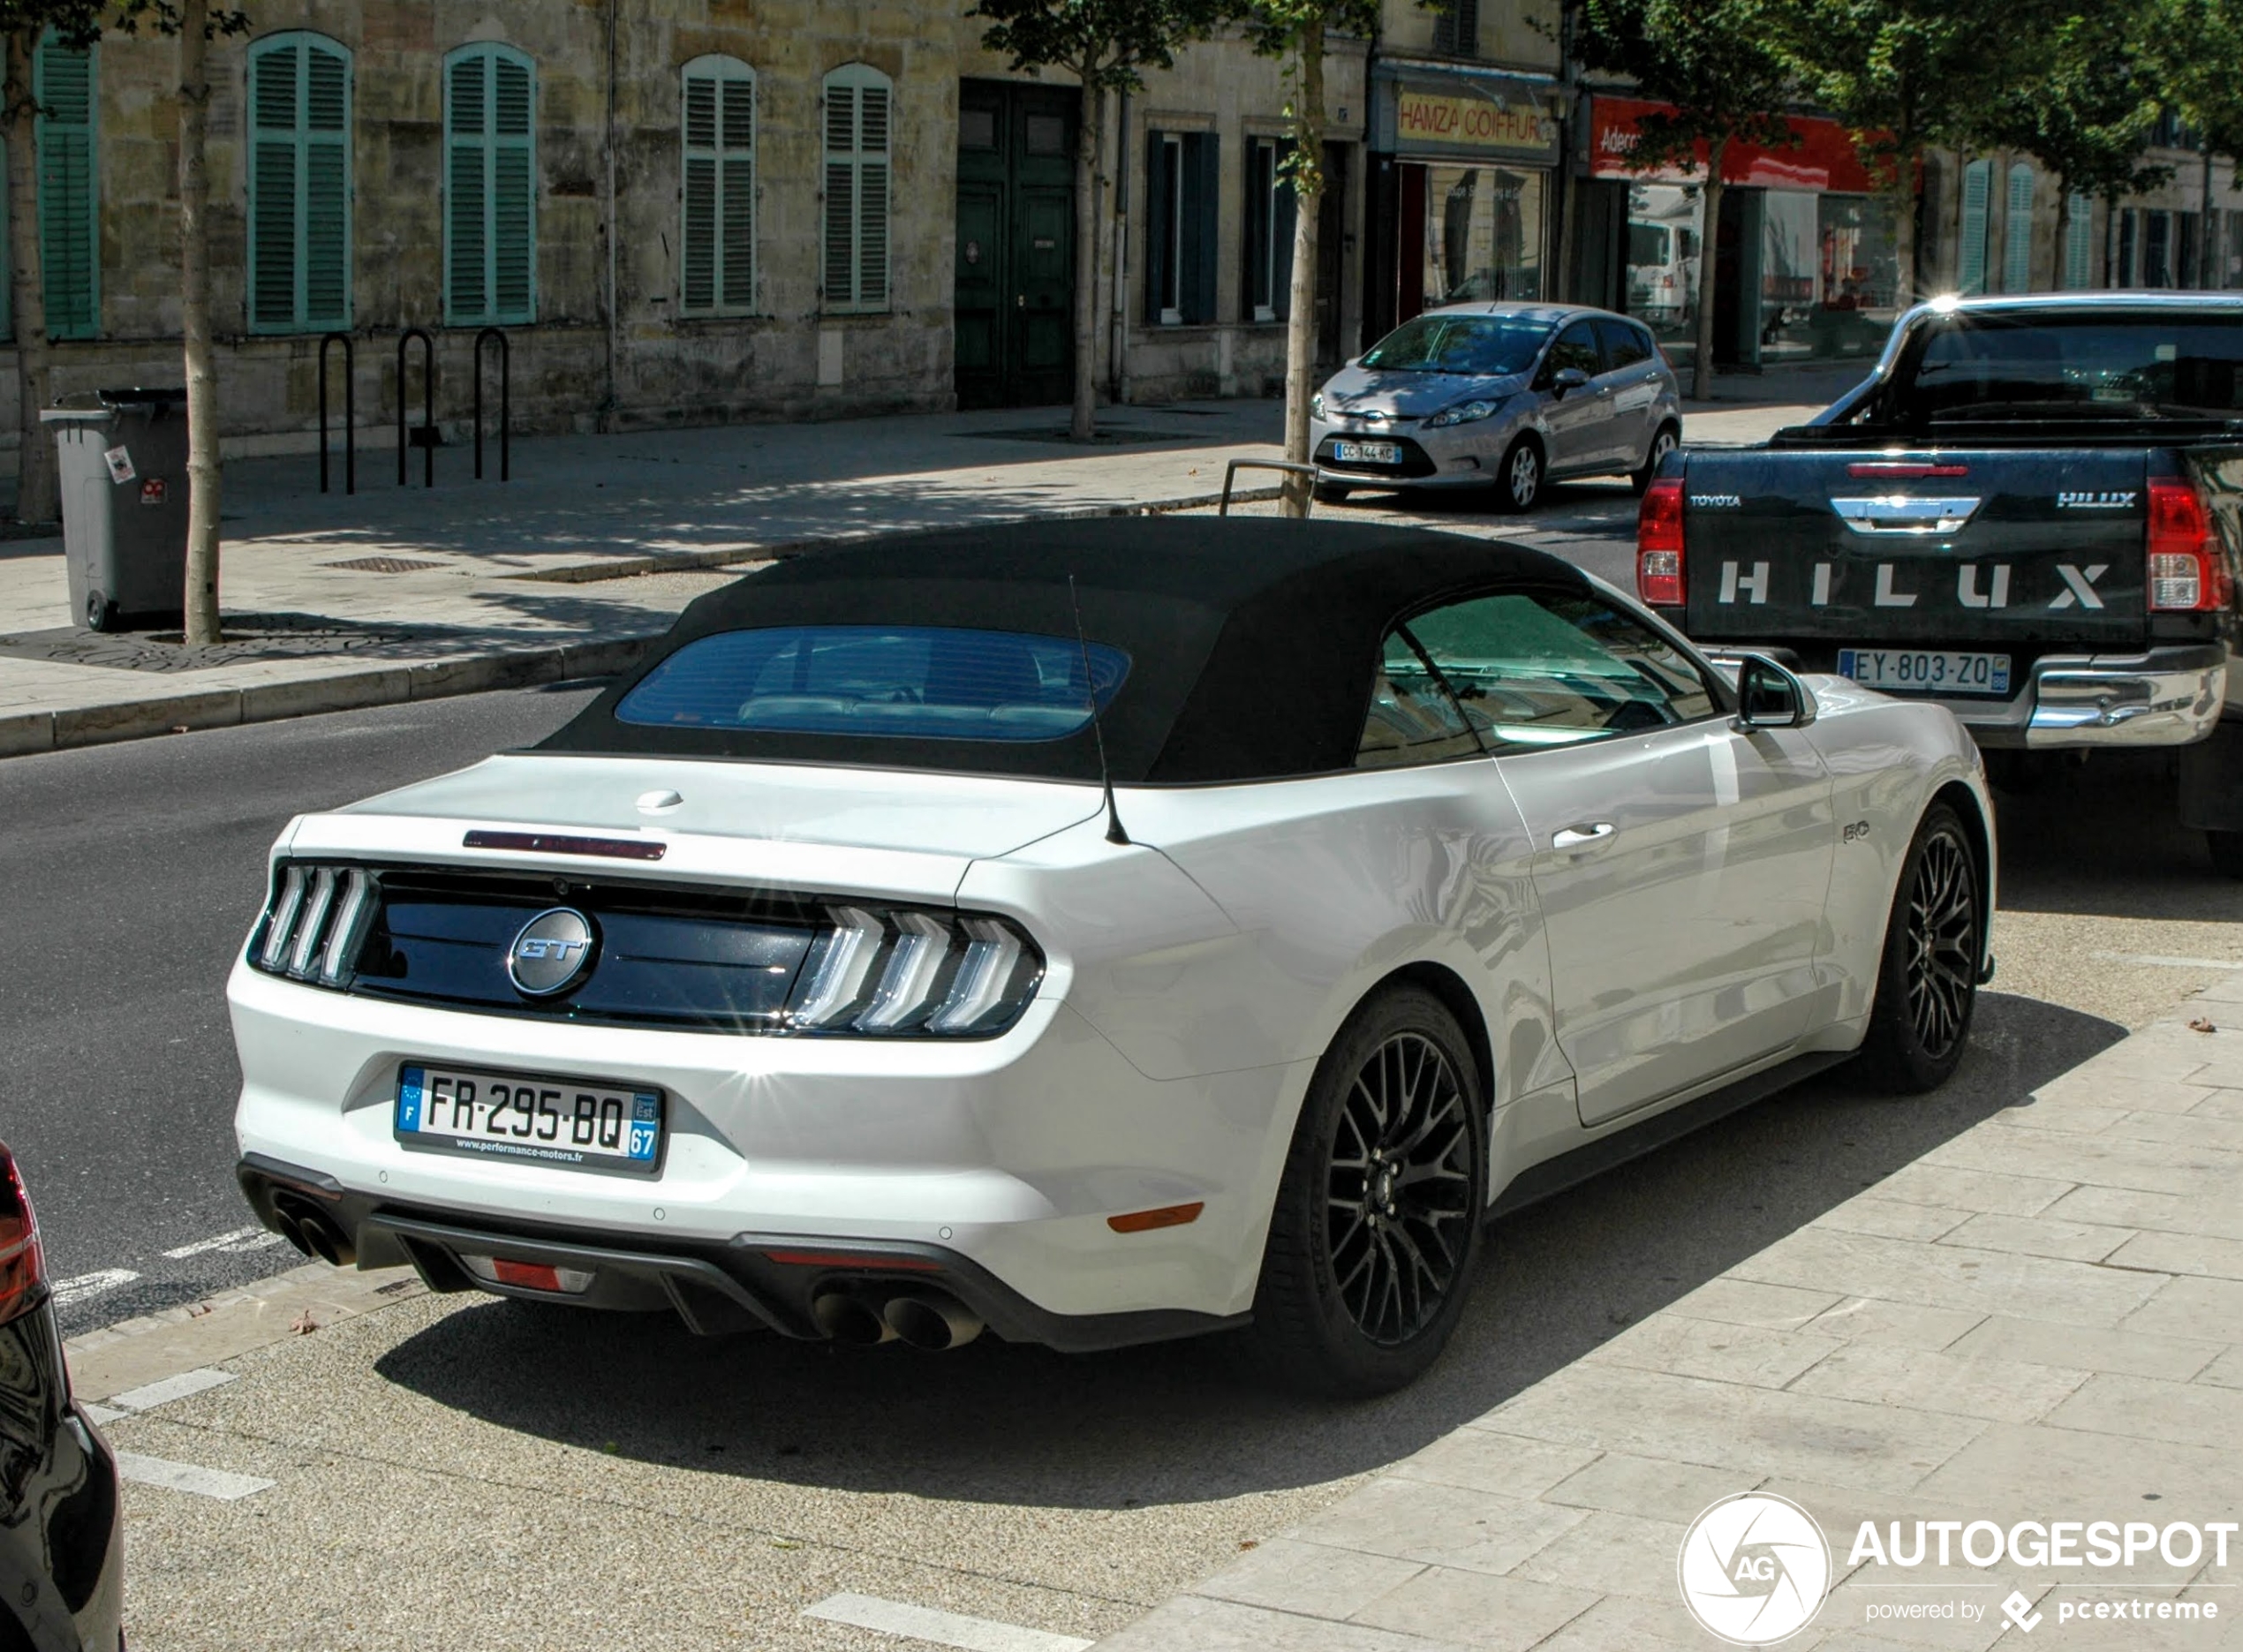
(151,1395)
(103,1415)
(949,1629)
(240,1239)
(204,1482)
(2162,961)
(88,1286)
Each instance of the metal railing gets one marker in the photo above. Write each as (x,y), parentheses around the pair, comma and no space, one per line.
(1231,471)
(492,335)
(426,436)
(350,411)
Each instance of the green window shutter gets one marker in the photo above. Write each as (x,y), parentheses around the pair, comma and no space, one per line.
(2017,231)
(1970,257)
(859,110)
(490,187)
(2078,247)
(717,196)
(69,201)
(7,256)
(300,184)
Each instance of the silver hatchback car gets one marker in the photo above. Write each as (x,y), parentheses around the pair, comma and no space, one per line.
(1506,395)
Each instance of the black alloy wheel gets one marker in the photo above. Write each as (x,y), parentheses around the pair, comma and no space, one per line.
(1377,1228)
(1927,981)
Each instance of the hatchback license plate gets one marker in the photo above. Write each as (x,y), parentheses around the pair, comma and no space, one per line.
(1925,670)
(1367,452)
(546,1121)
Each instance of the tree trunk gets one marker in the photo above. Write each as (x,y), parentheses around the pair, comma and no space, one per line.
(38,498)
(194,295)
(1089,144)
(1300,326)
(1709,265)
(2204,227)
(2063,234)
(1910,166)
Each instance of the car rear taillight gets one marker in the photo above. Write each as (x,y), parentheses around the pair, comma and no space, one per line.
(22,1269)
(915,974)
(2187,570)
(1658,544)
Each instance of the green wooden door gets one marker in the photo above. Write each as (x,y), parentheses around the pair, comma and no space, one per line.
(1014,294)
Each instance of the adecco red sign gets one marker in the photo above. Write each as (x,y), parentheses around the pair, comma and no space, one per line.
(1823,159)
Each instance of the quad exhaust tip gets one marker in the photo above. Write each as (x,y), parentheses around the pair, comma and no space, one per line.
(311,1232)
(933,1320)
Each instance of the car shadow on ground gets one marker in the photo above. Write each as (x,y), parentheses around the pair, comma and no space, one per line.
(1187,1423)
(2103,837)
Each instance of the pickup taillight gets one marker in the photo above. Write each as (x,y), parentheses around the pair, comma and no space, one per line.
(1658,544)
(2186,572)
(22,1270)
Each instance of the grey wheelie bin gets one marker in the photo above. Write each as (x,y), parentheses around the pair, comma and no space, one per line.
(124,474)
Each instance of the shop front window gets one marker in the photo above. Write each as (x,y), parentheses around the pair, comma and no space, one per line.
(1829,276)
(1663,241)
(1483,235)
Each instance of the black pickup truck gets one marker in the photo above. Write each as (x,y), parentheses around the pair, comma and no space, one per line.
(2032,512)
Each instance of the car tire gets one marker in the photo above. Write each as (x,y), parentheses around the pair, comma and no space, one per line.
(1927,986)
(1664,441)
(1394,1127)
(1518,478)
(2226,849)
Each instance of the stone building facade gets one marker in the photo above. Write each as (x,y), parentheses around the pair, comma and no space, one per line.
(642,195)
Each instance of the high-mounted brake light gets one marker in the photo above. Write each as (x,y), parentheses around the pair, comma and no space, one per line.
(23,1270)
(1658,544)
(2186,572)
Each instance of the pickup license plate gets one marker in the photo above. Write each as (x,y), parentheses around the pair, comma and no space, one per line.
(562,1121)
(1367,452)
(1925,670)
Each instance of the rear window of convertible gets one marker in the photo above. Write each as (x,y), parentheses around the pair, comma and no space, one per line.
(913,683)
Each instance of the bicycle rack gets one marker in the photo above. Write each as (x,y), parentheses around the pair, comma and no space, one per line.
(425,437)
(350,411)
(1231,471)
(505,392)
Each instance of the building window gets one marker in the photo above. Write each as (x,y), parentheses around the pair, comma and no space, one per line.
(70,236)
(1270,218)
(717,193)
(2156,249)
(299,184)
(1970,256)
(2017,231)
(1183,187)
(490,187)
(1456,29)
(858,114)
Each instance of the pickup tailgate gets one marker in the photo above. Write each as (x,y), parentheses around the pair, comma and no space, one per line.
(1952,547)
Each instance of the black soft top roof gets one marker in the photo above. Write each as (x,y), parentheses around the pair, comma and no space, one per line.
(1252,644)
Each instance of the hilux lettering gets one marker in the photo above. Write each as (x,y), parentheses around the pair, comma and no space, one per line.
(1886,596)
(2095,501)
(1754,585)
(1967,593)
(2079,587)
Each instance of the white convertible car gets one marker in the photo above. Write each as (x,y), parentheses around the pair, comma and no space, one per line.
(1098,932)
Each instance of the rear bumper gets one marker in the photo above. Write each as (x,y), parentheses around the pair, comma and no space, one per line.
(2168,697)
(62,1537)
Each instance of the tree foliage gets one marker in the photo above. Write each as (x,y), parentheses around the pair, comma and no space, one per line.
(2188,50)
(2082,98)
(1108,44)
(1706,59)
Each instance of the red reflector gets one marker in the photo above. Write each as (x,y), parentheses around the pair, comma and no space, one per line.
(2187,568)
(1904,469)
(554,843)
(850,1259)
(22,1268)
(1167,1216)
(531,1276)
(1658,544)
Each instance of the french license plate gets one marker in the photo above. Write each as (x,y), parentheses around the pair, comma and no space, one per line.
(1367,452)
(1925,670)
(545,1120)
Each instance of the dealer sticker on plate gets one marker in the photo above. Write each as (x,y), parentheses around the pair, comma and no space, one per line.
(514,1115)
(1925,670)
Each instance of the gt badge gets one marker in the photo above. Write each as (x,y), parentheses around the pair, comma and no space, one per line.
(551,953)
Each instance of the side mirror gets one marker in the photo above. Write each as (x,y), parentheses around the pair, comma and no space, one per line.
(1567,379)
(1769,697)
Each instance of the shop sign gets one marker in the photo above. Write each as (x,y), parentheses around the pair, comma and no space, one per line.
(1449,122)
(1822,158)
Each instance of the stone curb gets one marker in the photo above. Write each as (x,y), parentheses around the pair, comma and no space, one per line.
(23,733)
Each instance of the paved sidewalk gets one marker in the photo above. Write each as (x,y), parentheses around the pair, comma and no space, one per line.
(2040,1319)
(569,569)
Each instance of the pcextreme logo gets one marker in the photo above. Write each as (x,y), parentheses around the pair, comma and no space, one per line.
(1754,1569)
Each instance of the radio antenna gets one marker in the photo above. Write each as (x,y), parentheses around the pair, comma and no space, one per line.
(1113,832)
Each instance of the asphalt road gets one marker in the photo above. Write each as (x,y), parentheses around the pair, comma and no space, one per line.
(130,874)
